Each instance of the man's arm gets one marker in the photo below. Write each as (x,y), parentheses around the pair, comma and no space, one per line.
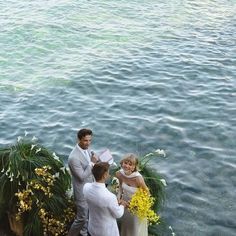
(77,170)
(116,210)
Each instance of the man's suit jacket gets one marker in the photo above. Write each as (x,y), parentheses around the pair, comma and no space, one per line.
(80,169)
(103,210)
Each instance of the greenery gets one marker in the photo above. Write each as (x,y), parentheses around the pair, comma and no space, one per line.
(156,185)
(153,179)
(33,187)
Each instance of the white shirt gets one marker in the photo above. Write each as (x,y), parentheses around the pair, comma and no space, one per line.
(103,210)
(86,155)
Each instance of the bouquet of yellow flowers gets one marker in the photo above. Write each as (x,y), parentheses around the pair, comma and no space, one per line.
(141,204)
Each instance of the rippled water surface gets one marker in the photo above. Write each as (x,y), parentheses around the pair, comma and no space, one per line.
(143,75)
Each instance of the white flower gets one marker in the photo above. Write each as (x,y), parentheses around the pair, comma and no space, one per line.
(69,192)
(63,169)
(113,164)
(38,150)
(114,180)
(8,170)
(2,170)
(34,138)
(55,156)
(26,133)
(56,175)
(11,177)
(172,232)
(32,146)
(163,182)
(19,138)
(161,152)
(18,174)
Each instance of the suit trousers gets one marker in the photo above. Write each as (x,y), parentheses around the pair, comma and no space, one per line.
(80,224)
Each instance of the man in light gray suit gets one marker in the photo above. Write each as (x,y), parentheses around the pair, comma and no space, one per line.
(80,162)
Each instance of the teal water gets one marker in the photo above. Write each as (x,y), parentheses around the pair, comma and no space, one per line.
(143,75)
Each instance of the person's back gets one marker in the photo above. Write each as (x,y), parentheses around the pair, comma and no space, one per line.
(103,210)
(103,205)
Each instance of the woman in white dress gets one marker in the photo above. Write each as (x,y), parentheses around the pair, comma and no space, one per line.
(129,181)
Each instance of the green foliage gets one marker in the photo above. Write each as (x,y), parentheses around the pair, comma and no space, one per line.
(155,183)
(45,189)
(153,179)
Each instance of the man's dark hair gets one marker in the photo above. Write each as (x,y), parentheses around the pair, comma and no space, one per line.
(99,169)
(83,132)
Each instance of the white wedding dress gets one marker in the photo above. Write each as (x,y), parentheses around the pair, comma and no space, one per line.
(130,224)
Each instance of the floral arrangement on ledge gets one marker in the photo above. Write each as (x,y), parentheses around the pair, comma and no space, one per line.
(33,189)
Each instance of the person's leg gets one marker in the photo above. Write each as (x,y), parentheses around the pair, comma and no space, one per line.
(80,224)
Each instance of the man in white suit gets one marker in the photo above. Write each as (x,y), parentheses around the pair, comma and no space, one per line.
(80,162)
(103,205)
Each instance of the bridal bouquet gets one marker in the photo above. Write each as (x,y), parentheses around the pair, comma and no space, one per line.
(141,205)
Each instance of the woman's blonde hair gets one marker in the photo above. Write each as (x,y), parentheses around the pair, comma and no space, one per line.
(132,158)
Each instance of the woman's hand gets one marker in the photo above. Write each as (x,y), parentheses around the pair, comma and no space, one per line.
(123,202)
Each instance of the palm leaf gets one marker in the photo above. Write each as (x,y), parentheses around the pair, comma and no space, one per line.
(17,170)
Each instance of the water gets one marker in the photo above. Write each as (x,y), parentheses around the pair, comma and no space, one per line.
(143,75)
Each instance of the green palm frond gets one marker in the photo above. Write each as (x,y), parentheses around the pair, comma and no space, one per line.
(156,187)
(18,165)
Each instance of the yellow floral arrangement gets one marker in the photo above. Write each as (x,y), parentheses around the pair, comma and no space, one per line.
(33,189)
(141,205)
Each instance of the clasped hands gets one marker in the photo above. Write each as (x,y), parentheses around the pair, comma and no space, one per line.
(124,203)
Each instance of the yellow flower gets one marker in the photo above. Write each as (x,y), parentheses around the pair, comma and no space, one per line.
(141,204)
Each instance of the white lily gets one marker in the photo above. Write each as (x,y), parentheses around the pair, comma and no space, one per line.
(38,150)
(69,192)
(63,169)
(34,138)
(163,181)
(172,232)
(32,147)
(19,138)
(113,164)
(114,180)
(8,170)
(161,152)
(55,156)
(56,175)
